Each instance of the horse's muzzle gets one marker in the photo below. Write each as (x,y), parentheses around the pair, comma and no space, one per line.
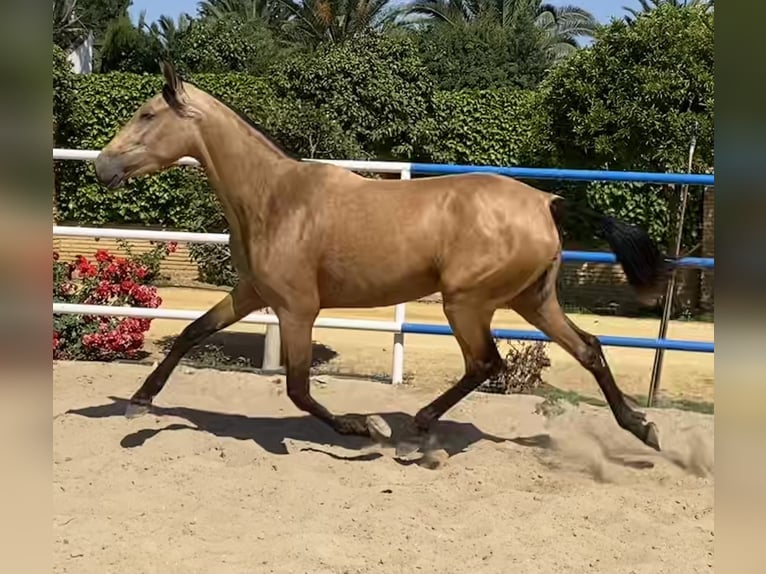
(110,170)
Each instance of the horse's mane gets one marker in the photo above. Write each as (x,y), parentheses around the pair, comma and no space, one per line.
(249,121)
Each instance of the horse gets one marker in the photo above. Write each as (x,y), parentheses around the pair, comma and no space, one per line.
(307,236)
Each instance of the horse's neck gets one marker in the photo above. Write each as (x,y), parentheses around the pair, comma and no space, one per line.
(241,163)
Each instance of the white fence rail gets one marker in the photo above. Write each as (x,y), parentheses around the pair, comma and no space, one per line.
(272,334)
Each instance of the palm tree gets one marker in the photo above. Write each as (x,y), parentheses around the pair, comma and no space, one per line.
(649,5)
(271,12)
(168,31)
(561,25)
(315,21)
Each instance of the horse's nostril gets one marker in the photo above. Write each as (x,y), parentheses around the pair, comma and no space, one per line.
(108,169)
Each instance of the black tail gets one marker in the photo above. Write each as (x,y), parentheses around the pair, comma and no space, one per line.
(646,267)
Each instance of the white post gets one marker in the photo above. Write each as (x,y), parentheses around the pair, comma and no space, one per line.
(271,348)
(397,369)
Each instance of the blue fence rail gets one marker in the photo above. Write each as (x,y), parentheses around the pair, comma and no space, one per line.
(606,257)
(606,340)
(568,174)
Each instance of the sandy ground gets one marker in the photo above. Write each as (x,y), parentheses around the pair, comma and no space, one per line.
(227,476)
(434,362)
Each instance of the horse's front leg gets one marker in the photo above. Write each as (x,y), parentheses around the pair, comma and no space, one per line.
(241,301)
(295,330)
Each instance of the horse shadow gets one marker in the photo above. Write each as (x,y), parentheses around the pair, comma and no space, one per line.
(272,433)
(225,348)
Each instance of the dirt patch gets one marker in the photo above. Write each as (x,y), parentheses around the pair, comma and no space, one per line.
(227,476)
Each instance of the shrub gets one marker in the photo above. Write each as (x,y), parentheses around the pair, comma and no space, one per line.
(482,55)
(484,127)
(375,88)
(227,44)
(524,365)
(213,263)
(107,280)
(150,260)
(64,96)
(630,102)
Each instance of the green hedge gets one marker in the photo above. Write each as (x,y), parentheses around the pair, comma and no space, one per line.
(485,127)
(179,197)
(64,95)
(489,127)
(471,126)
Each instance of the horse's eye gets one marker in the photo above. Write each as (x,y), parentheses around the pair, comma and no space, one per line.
(147,115)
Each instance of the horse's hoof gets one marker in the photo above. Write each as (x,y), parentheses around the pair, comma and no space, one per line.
(652,438)
(134,410)
(434,459)
(406,448)
(379,428)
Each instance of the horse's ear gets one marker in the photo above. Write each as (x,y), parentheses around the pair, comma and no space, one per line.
(171,78)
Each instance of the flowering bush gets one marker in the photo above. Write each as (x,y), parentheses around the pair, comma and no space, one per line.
(151,259)
(107,280)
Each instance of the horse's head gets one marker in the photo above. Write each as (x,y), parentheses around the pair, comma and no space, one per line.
(163,130)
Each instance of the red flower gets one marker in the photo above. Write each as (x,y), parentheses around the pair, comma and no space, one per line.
(108,280)
(103,256)
(84,267)
(172,246)
(145,296)
(127,286)
(104,290)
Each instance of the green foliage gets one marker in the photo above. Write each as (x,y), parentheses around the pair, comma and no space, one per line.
(64,97)
(99,14)
(166,199)
(226,44)
(127,48)
(649,5)
(555,29)
(482,56)
(213,263)
(272,12)
(375,88)
(68,26)
(630,101)
(319,21)
(484,127)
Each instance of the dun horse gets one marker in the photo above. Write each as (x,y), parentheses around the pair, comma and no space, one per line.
(307,236)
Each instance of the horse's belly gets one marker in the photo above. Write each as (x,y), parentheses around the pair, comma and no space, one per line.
(376,290)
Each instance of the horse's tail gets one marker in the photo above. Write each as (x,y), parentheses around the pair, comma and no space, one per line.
(646,267)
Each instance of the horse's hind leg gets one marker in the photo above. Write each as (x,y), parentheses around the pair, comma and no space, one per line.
(539,305)
(295,330)
(238,303)
(471,327)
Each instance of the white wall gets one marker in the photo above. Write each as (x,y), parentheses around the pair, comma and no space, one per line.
(82,56)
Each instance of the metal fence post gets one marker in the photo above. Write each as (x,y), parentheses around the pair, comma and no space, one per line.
(659,354)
